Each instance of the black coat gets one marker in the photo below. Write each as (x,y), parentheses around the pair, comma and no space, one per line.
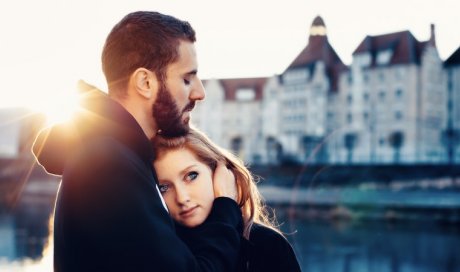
(109,215)
(266,251)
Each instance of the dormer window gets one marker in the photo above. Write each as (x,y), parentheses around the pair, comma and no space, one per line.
(384,57)
(363,59)
(296,76)
(245,94)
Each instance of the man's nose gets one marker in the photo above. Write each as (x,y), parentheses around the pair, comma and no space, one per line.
(197,92)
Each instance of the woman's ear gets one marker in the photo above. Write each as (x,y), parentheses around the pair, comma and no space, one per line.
(145,83)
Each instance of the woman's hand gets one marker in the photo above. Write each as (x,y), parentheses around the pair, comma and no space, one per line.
(224,182)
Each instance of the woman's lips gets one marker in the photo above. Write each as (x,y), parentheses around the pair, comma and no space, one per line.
(189,212)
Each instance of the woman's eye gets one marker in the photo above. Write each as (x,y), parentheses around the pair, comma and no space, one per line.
(191,176)
(163,188)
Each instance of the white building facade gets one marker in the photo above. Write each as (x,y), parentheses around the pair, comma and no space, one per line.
(310,85)
(393,105)
(396,103)
(452,132)
(231,115)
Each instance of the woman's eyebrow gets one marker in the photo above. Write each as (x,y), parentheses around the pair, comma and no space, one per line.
(186,169)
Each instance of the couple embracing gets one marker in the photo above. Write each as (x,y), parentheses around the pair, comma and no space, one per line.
(140,189)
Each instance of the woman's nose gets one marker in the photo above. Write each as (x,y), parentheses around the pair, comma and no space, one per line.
(182,196)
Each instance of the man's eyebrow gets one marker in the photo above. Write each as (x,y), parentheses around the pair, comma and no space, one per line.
(192,73)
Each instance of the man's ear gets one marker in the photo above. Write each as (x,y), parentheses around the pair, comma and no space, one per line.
(145,82)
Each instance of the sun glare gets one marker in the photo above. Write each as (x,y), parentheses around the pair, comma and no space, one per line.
(60,109)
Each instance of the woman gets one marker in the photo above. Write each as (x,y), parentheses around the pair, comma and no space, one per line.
(185,168)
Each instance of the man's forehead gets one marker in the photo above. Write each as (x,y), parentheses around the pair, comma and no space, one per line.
(186,61)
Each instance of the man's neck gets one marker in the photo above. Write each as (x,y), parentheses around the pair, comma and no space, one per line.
(142,118)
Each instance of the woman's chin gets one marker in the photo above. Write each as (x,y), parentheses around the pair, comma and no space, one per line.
(191,223)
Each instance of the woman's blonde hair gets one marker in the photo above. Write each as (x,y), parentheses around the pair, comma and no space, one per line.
(249,198)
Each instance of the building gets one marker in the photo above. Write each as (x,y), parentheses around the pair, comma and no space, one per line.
(452,133)
(271,149)
(231,115)
(393,107)
(308,87)
(18,127)
(396,103)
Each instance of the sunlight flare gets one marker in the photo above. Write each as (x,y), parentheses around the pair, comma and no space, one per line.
(60,109)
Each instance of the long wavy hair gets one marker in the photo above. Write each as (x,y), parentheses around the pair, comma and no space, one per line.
(206,151)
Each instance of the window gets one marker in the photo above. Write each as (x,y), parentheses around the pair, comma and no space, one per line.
(363,59)
(382,95)
(296,76)
(366,96)
(236,144)
(449,80)
(350,78)
(245,95)
(399,73)
(398,115)
(366,116)
(384,57)
(399,93)
(350,99)
(365,77)
(349,118)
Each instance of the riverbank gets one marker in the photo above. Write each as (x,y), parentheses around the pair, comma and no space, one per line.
(364,204)
(327,175)
(334,203)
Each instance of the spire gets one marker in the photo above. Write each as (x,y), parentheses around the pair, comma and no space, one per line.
(318,28)
(432,40)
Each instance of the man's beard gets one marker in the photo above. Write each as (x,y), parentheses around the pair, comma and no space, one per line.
(167,115)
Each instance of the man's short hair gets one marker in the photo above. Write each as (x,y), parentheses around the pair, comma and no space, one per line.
(142,39)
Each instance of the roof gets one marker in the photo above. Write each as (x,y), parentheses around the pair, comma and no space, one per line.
(454,59)
(406,48)
(319,49)
(318,21)
(232,85)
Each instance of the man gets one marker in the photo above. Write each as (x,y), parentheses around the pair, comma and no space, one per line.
(109,215)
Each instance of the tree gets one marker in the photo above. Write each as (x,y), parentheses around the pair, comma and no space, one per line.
(350,140)
(450,139)
(237,145)
(396,141)
(274,150)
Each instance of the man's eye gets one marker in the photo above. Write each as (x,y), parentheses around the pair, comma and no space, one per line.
(191,176)
(186,81)
(163,188)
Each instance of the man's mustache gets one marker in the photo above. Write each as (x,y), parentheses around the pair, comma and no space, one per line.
(189,107)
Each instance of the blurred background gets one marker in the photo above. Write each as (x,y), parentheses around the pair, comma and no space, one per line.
(349,112)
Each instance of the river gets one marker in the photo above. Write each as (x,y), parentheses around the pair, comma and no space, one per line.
(320,245)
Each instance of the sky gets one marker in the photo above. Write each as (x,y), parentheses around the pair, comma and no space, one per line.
(46,46)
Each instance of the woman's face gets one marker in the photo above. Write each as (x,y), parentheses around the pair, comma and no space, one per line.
(186,185)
